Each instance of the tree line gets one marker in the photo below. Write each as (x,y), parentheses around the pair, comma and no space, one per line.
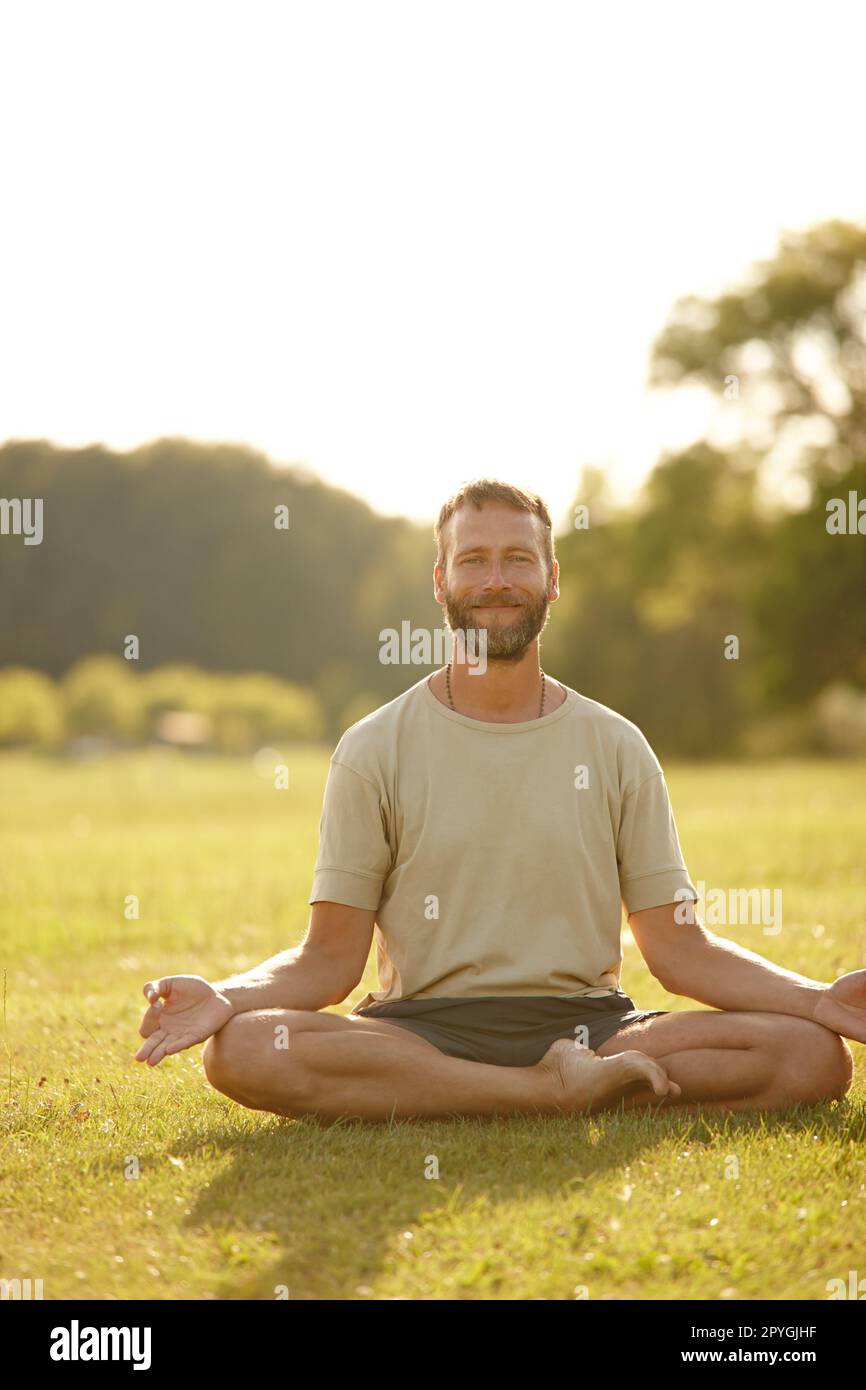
(716,617)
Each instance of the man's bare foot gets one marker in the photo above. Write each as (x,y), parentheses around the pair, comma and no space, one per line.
(582,1078)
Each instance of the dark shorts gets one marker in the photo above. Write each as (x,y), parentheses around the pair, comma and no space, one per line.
(510,1031)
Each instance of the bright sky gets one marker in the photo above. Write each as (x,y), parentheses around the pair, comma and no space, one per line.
(401,243)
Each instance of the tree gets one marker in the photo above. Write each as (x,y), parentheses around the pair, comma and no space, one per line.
(791,341)
(794,337)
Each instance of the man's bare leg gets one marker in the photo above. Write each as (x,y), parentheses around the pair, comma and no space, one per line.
(728,1060)
(369,1069)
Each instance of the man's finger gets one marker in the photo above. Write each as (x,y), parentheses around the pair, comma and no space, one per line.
(156,989)
(151,1020)
(148,1047)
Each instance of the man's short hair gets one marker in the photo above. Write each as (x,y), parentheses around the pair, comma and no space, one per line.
(481,490)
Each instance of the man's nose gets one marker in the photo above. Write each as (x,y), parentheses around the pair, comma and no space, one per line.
(494,578)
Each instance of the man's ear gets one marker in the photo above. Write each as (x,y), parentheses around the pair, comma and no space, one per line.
(438,574)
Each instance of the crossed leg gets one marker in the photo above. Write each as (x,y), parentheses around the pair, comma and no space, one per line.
(726,1060)
(370,1069)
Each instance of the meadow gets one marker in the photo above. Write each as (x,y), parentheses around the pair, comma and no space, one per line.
(119,1181)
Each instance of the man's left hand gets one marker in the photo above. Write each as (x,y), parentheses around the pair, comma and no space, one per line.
(841,1007)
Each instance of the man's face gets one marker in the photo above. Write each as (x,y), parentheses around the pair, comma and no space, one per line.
(496,577)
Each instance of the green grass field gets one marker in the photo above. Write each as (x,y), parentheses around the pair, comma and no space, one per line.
(234,1204)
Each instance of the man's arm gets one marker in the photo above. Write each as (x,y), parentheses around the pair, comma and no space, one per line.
(323,970)
(687,959)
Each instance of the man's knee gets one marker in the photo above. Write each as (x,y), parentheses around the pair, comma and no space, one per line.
(819,1062)
(226,1055)
(839,1063)
(240,1061)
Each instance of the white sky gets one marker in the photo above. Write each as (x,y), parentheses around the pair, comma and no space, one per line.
(402,243)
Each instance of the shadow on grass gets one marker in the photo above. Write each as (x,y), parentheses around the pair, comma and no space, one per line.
(335,1200)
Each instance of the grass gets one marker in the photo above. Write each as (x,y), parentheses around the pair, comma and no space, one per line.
(234,1204)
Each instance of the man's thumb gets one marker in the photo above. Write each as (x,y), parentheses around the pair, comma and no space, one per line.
(156,989)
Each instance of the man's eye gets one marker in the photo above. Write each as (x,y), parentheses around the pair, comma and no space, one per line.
(476,559)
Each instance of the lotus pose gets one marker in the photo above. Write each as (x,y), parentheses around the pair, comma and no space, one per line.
(486,828)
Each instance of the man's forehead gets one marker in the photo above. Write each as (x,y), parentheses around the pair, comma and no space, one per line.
(493,524)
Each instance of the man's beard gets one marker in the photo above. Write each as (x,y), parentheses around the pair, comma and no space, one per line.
(507,638)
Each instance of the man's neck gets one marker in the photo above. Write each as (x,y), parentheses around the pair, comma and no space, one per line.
(506,693)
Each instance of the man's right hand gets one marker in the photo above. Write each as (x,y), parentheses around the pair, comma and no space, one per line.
(184,1010)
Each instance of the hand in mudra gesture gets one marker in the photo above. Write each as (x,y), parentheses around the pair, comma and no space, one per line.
(184,1010)
(842,1006)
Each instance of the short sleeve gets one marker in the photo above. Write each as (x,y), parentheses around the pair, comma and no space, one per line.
(354,857)
(652,870)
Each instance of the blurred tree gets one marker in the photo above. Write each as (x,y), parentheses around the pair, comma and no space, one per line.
(101,697)
(176,543)
(31,710)
(650,598)
(810,603)
(794,338)
(792,344)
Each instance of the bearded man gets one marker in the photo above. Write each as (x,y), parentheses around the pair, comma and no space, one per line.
(485,830)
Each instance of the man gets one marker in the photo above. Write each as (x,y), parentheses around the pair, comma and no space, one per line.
(487,826)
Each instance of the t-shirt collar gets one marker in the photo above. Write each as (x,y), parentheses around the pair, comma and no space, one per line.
(486,726)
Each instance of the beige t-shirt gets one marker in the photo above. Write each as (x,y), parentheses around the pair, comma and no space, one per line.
(496,855)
